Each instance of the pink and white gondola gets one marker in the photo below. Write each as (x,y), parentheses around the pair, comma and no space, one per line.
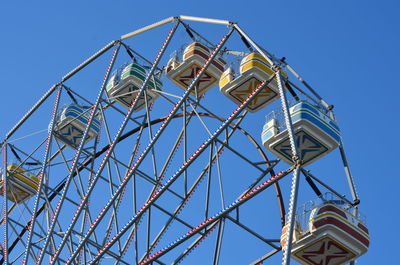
(334,237)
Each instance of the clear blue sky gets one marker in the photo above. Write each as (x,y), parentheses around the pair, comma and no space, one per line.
(349,50)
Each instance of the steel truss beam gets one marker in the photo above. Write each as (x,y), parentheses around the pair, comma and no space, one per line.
(209,223)
(189,161)
(155,137)
(189,194)
(111,148)
(76,157)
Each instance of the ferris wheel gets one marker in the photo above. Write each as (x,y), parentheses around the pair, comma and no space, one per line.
(147,154)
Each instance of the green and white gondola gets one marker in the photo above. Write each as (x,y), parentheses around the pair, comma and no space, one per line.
(123,86)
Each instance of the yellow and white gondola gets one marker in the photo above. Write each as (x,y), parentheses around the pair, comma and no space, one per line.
(21,184)
(254,69)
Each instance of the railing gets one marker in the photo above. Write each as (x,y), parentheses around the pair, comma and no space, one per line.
(279,116)
(304,211)
(60,115)
(27,170)
(115,76)
(85,111)
(178,54)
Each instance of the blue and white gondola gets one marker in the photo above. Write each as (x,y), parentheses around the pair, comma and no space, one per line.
(316,134)
(71,123)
